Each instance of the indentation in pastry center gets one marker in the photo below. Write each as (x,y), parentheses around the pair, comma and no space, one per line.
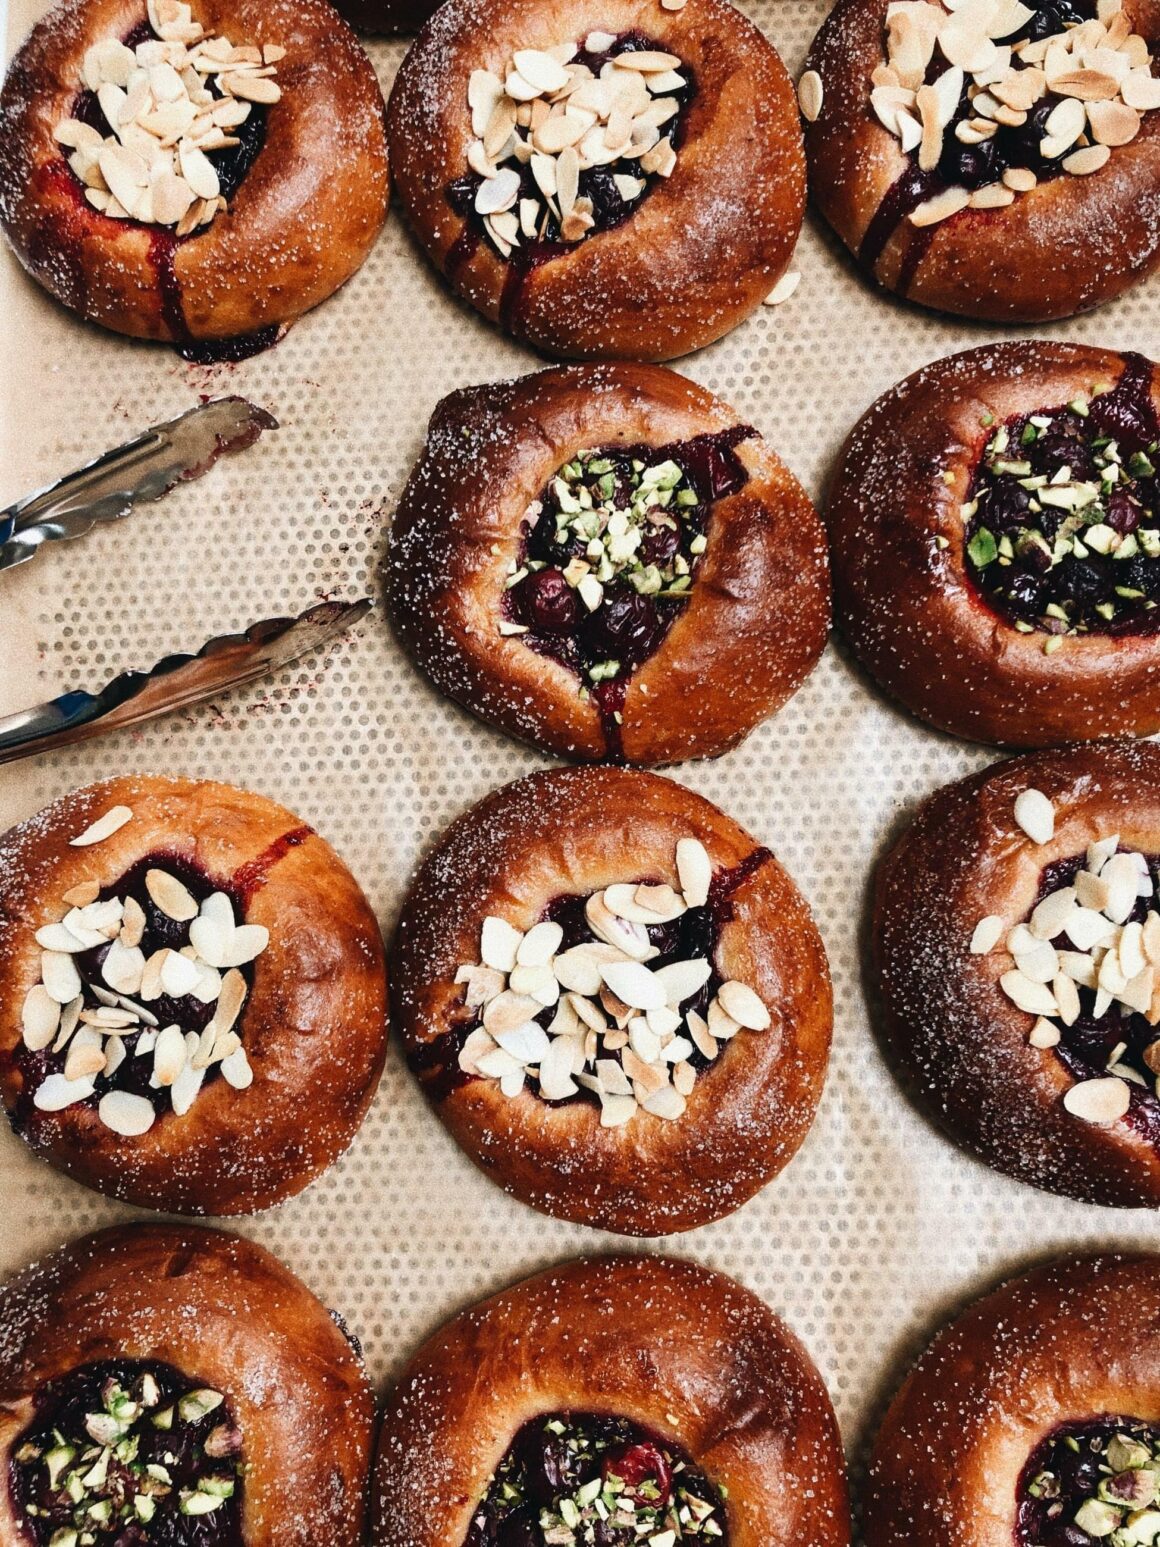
(169,122)
(128,1452)
(586,1480)
(570,139)
(142,986)
(993,96)
(613,996)
(1062,523)
(610,550)
(1089,1481)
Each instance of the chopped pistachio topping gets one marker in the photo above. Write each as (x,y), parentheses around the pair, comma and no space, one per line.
(1107,1486)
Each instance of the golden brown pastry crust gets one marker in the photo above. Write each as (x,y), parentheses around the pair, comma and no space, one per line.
(572,832)
(302,221)
(759,611)
(682,1351)
(960,1040)
(228,1314)
(1077,1338)
(706,245)
(313,1026)
(911,614)
(1068,245)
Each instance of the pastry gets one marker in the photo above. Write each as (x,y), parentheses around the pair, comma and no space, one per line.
(1017,952)
(606,562)
(1033,1419)
(995,529)
(202,179)
(170,1384)
(624,1400)
(615,180)
(614,998)
(990,158)
(193,994)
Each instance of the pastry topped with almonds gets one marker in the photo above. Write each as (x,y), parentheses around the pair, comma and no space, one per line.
(175,173)
(618,182)
(989,157)
(1031,1419)
(615,1000)
(595,1405)
(186,969)
(1017,942)
(605,561)
(995,531)
(160,1383)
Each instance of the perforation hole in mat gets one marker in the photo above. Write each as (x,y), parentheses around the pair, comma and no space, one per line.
(878,1227)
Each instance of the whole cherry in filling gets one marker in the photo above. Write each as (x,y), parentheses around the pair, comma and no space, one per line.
(1062,521)
(127,1452)
(1095,1479)
(593,1480)
(610,549)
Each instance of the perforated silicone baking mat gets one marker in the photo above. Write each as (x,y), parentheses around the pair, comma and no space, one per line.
(879,1226)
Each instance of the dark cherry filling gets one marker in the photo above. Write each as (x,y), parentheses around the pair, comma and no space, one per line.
(591,1480)
(694,934)
(597,183)
(126,1452)
(1086,1047)
(642,598)
(1090,1480)
(973,166)
(134,1072)
(1063,514)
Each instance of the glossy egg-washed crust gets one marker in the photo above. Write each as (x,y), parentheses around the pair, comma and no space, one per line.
(1069,244)
(304,218)
(912,615)
(313,1025)
(959,1039)
(229,1316)
(705,246)
(1077,1338)
(759,608)
(682,1351)
(574,832)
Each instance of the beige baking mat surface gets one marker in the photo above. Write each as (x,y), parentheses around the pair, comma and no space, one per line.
(879,1225)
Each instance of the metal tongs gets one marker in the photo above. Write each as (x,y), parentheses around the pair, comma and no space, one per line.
(108,489)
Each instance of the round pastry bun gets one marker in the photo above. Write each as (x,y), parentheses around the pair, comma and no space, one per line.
(903,598)
(228,1315)
(704,247)
(1071,243)
(759,607)
(303,219)
(1073,1339)
(961,1041)
(313,1025)
(571,833)
(681,1351)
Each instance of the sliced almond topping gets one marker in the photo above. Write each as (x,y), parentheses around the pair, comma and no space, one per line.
(1099,1101)
(741,1004)
(1035,814)
(809,95)
(941,207)
(1081,163)
(173,898)
(104,827)
(694,870)
(988,932)
(39,1018)
(126,1114)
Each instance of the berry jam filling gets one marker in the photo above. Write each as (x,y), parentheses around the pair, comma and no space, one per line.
(609,551)
(570,153)
(128,1452)
(1092,1480)
(586,1480)
(129,1002)
(1063,516)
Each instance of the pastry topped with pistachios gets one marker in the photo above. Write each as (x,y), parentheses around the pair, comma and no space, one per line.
(615,1000)
(158,1384)
(159,175)
(996,543)
(989,157)
(160,979)
(619,182)
(1017,931)
(605,561)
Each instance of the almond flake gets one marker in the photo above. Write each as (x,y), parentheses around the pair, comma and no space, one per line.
(809,95)
(1098,1101)
(39,1018)
(126,1114)
(1035,814)
(104,827)
(741,1004)
(988,932)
